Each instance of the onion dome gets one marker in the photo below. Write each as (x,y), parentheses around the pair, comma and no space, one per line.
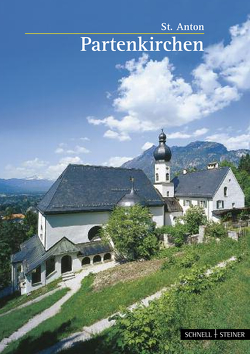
(130,199)
(162,152)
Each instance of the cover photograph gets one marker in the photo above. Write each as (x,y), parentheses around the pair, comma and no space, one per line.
(124,177)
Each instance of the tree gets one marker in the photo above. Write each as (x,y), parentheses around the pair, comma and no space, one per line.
(194,217)
(30,223)
(244,164)
(178,233)
(11,236)
(133,232)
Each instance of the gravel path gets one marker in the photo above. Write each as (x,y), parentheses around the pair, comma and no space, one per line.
(74,285)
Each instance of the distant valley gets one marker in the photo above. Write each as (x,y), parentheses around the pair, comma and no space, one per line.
(24,186)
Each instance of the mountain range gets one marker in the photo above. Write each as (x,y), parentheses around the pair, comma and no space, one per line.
(195,155)
(24,186)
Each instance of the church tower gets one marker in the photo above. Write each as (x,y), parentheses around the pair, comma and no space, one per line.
(162,155)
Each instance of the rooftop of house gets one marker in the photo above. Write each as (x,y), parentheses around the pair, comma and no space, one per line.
(202,183)
(14,216)
(172,205)
(96,188)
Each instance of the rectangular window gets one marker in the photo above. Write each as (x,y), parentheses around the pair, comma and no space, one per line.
(36,275)
(187,202)
(220,204)
(203,203)
(50,266)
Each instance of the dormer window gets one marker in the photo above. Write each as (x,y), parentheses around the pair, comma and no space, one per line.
(225,192)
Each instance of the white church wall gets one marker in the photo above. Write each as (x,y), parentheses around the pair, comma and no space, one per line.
(166,189)
(235,197)
(205,203)
(74,226)
(41,227)
(28,281)
(162,171)
(158,215)
(170,218)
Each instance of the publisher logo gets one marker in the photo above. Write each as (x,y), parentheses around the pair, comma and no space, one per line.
(215,334)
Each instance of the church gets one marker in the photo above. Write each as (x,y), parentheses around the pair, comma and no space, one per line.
(79,203)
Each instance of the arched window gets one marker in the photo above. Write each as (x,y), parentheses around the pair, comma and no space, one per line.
(107,257)
(50,266)
(167,176)
(225,191)
(85,261)
(66,264)
(93,234)
(157,177)
(97,259)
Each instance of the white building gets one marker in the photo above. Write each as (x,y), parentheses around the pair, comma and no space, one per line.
(77,205)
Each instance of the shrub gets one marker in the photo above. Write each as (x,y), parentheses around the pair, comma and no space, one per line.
(132,231)
(215,230)
(189,260)
(194,217)
(168,263)
(178,233)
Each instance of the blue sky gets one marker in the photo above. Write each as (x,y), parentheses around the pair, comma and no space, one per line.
(60,105)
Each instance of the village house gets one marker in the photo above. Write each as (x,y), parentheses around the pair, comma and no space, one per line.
(79,203)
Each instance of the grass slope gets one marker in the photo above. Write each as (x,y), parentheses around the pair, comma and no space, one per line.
(88,306)
(15,300)
(9,323)
(225,306)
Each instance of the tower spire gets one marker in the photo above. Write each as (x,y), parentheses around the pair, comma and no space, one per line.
(162,155)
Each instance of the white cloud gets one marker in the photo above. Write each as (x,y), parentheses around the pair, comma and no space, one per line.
(151,96)
(200,132)
(147,146)
(84,139)
(53,171)
(40,169)
(35,163)
(93,120)
(115,135)
(76,150)
(59,150)
(117,161)
(231,142)
(178,135)
(27,168)
(184,135)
